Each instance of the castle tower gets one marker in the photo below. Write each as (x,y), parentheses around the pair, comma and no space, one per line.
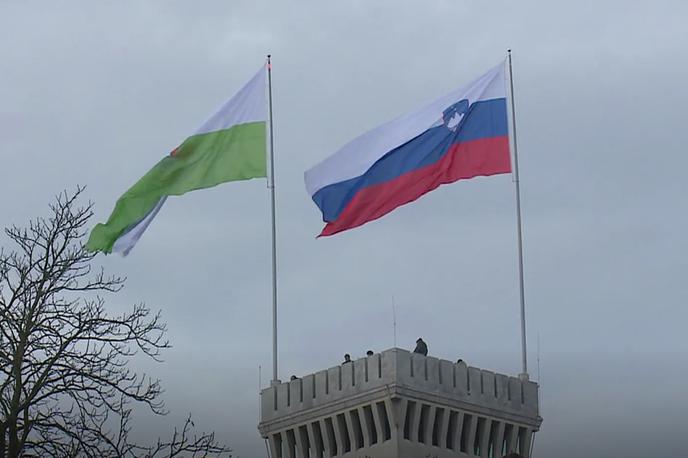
(398,404)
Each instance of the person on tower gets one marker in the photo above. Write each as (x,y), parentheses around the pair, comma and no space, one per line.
(421,347)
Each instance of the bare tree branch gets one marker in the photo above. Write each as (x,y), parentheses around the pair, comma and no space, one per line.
(66,389)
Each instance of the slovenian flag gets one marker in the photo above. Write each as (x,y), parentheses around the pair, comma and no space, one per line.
(229,146)
(462,135)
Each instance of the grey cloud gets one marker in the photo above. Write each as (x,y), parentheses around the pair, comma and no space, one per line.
(95,93)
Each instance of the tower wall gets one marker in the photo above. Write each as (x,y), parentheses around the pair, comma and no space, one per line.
(398,403)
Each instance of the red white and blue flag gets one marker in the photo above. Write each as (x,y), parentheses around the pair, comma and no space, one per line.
(461,135)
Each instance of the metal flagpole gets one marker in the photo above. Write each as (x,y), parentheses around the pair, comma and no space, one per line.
(524,374)
(271,186)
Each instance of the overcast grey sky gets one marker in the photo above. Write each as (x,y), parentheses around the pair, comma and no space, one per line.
(96,92)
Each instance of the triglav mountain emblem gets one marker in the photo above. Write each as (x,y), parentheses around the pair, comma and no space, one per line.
(452,116)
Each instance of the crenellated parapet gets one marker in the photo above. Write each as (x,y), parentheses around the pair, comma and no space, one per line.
(397,398)
(400,368)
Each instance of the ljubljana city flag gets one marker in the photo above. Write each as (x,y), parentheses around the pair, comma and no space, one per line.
(229,146)
(461,135)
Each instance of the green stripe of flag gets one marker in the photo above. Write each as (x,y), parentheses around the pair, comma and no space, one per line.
(229,146)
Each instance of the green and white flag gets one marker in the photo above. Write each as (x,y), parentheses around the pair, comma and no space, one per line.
(230,146)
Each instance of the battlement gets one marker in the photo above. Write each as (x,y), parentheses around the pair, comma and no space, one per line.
(398,369)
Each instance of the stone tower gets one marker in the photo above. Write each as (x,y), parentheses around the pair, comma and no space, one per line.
(398,404)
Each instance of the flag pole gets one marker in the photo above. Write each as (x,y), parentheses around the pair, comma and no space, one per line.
(524,373)
(271,186)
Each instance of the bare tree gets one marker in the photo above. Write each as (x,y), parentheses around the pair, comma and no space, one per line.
(66,388)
